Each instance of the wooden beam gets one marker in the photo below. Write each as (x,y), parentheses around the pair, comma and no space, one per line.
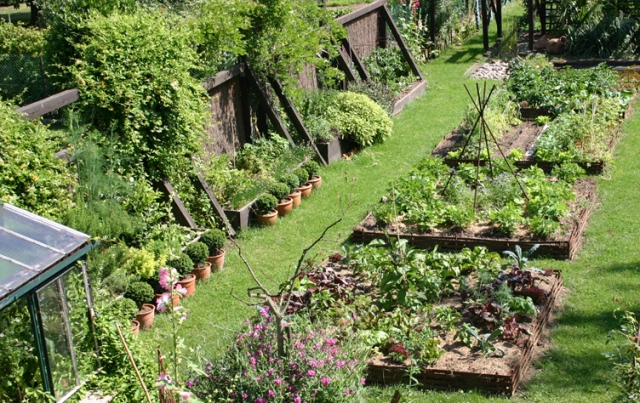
(364,75)
(223,76)
(498,7)
(203,185)
(531,23)
(177,206)
(294,117)
(343,64)
(543,16)
(403,46)
(263,98)
(361,12)
(432,21)
(49,104)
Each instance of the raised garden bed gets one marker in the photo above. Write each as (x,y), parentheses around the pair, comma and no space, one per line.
(489,380)
(332,151)
(408,95)
(239,219)
(524,137)
(563,247)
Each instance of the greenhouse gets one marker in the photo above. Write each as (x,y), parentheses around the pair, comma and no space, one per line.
(44,300)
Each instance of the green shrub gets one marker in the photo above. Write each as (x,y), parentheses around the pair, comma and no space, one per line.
(198,252)
(292,181)
(117,282)
(215,240)
(279,190)
(31,176)
(20,40)
(302,174)
(312,167)
(123,308)
(140,292)
(143,263)
(183,264)
(357,117)
(265,203)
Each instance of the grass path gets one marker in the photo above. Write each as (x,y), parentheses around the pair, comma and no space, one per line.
(604,277)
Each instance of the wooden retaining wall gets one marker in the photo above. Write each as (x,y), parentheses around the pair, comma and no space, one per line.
(459,380)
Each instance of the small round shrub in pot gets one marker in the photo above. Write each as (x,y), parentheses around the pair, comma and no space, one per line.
(281,192)
(292,181)
(198,252)
(215,240)
(265,209)
(183,264)
(313,168)
(303,176)
(140,292)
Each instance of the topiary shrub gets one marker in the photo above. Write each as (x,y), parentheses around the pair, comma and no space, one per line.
(215,240)
(358,117)
(302,174)
(123,308)
(279,190)
(140,292)
(265,203)
(312,167)
(117,282)
(198,252)
(292,181)
(183,264)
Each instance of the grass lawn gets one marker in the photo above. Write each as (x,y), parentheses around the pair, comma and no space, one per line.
(604,277)
(22,14)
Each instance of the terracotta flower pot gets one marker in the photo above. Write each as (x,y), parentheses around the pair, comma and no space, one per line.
(145,316)
(135,327)
(268,219)
(204,272)
(296,197)
(189,282)
(315,181)
(284,207)
(306,190)
(217,261)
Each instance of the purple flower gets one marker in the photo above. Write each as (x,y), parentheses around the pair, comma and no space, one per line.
(348,392)
(272,394)
(260,400)
(244,395)
(325,381)
(340,364)
(311,373)
(297,400)
(277,381)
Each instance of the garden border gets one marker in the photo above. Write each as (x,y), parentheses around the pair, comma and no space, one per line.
(460,380)
(564,249)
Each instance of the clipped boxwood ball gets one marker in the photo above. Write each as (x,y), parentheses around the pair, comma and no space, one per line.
(183,264)
(140,292)
(215,240)
(292,181)
(312,167)
(302,174)
(265,203)
(198,252)
(279,190)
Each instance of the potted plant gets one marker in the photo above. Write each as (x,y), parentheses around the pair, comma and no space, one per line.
(198,253)
(303,177)
(281,192)
(293,182)
(142,293)
(135,327)
(313,168)
(183,265)
(265,209)
(215,240)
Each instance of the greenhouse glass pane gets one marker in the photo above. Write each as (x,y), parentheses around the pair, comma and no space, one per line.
(18,357)
(27,253)
(56,333)
(77,307)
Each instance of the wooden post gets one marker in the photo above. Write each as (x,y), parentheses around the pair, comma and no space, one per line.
(364,75)
(343,63)
(177,207)
(543,16)
(403,46)
(294,117)
(382,32)
(531,22)
(485,24)
(499,17)
(432,21)
(49,104)
(203,185)
(263,98)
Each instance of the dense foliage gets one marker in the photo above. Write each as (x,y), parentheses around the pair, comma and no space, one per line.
(31,176)
(19,40)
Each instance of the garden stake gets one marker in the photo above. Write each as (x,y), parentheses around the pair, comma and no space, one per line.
(133,363)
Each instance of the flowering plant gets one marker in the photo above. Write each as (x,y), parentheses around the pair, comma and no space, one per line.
(169,282)
(315,368)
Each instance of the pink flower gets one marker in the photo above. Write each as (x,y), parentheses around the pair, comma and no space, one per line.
(265,311)
(348,392)
(180,290)
(163,380)
(165,278)
(311,373)
(340,364)
(272,394)
(185,395)
(325,381)
(297,400)
(260,400)
(314,364)
(244,395)
(363,381)
(163,302)
(277,381)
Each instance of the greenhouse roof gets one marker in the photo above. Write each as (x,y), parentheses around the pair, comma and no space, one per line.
(32,250)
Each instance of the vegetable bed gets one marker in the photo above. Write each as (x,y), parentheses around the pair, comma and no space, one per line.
(554,215)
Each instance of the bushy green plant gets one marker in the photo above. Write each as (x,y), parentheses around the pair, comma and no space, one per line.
(117,282)
(20,40)
(215,240)
(264,204)
(151,107)
(568,172)
(198,252)
(122,309)
(357,117)
(140,292)
(31,176)
(387,65)
(292,181)
(612,36)
(302,174)
(312,167)
(183,263)
(143,263)
(279,190)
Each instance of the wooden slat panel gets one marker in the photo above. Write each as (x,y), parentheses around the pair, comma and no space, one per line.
(223,76)
(202,184)
(49,104)
(364,75)
(343,63)
(177,207)
(361,12)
